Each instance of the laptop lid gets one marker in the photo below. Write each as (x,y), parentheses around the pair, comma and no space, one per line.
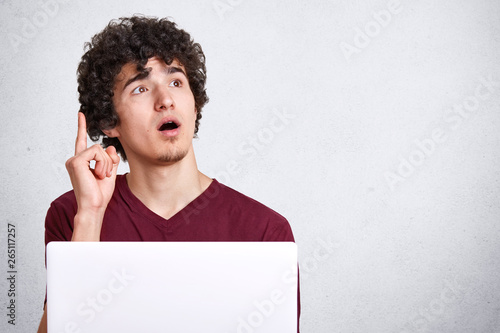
(241,287)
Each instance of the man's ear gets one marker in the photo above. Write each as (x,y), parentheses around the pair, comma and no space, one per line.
(111,133)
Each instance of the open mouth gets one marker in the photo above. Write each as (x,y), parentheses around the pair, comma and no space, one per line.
(168,126)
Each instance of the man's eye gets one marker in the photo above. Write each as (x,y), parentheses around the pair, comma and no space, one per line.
(176,83)
(139,90)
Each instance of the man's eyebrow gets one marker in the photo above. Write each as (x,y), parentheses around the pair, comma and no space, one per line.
(145,73)
(142,75)
(174,69)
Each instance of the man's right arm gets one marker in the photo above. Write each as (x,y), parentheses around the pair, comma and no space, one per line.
(93,189)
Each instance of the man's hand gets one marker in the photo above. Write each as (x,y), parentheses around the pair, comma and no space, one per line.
(93,187)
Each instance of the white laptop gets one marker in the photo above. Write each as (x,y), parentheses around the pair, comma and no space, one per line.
(241,287)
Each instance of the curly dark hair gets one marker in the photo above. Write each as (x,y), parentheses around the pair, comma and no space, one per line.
(133,40)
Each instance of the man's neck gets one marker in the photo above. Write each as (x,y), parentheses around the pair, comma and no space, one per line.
(167,189)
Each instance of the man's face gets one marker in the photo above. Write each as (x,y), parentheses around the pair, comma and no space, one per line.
(156,112)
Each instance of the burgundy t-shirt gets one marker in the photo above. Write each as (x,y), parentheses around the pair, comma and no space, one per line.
(218,214)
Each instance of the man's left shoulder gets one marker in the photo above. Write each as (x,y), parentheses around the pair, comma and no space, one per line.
(250,206)
(250,211)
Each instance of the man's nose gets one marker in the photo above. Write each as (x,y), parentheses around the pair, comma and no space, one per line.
(164,99)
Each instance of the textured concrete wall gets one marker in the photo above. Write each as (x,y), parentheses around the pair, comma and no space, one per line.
(373,126)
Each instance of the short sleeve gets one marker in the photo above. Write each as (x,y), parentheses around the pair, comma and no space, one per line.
(59,219)
(278,230)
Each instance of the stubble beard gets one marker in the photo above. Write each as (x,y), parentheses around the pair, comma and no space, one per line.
(174,155)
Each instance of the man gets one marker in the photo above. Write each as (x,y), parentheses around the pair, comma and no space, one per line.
(142,90)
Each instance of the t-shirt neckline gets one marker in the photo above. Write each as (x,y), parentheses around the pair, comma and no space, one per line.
(139,207)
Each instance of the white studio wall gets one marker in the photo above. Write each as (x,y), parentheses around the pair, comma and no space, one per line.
(372,126)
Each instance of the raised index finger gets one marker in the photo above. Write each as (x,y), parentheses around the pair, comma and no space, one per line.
(81,137)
